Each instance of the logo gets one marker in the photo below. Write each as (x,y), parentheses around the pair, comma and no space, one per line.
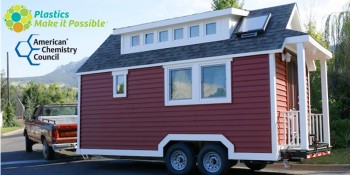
(26,54)
(18,18)
(38,50)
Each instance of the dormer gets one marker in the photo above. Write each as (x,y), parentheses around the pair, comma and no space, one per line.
(187,30)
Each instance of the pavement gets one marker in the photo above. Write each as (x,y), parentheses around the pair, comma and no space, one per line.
(14,156)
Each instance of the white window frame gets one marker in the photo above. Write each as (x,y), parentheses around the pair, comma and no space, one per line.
(196,84)
(131,41)
(205,28)
(189,31)
(114,75)
(145,38)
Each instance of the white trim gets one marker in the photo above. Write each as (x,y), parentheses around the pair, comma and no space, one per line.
(295,16)
(325,104)
(232,155)
(114,75)
(184,61)
(273,103)
(78,108)
(304,133)
(183,19)
(307,39)
(196,84)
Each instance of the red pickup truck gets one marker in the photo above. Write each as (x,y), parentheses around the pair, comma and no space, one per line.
(54,126)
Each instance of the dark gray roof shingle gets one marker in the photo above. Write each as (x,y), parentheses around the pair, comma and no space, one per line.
(108,56)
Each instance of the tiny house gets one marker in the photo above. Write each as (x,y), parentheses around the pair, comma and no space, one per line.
(206,90)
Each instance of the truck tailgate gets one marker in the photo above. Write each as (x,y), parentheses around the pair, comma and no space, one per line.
(65,133)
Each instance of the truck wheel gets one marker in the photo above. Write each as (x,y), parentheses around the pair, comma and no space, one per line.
(29,144)
(180,159)
(213,160)
(255,166)
(48,152)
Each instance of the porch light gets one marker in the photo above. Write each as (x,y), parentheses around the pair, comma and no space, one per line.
(286,57)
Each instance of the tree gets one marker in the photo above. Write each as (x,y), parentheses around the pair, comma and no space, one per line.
(337,34)
(315,77)
(223,4)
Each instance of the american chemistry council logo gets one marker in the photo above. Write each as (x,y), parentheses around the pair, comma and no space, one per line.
(18,18)
(37,50)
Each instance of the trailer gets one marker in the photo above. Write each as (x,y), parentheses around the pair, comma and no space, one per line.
(206,90)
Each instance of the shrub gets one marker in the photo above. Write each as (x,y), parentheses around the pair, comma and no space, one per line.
(340,133)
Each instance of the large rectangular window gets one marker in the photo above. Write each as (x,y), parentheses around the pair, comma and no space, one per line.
(149,38)
(119,83)
(198,83)
(163,36)
(210,28)
(194,31)
(213,81)
(135,40)
(178,33)
(181,84)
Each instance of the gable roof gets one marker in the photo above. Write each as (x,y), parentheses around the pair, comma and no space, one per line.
(108,56)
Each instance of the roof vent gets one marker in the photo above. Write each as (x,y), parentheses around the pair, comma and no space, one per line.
(251,26)
(248,35)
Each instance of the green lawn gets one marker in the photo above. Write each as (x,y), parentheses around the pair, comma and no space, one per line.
(337,156)
(9,129)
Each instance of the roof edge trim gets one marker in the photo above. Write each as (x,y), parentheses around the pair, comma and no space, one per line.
(183,61)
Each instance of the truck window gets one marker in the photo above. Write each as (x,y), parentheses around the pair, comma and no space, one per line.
(59,110)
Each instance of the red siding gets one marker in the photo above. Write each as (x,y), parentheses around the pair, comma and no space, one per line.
(281,92)
(141,120)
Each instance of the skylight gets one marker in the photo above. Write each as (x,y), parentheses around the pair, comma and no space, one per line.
(254,24)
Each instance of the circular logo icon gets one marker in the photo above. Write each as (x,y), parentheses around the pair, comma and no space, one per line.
(18,18)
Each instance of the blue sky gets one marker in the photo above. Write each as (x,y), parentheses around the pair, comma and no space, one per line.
(119,13)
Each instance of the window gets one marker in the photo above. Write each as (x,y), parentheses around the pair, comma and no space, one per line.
(181,84)
(194,31)
(198,83)
(210,28)
(135,40)
(119,83)
(163,36)
(149,38)
(178,34)
(213,81)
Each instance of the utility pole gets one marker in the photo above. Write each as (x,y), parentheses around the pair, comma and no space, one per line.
(8,80)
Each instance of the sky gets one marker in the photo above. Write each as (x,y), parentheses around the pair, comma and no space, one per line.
(119,13)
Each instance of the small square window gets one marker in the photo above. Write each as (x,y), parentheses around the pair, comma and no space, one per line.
(181,84)
(119,84)
(178,34)
(149,38)
(210,28)
(194,31)
(135,40)
(163,36)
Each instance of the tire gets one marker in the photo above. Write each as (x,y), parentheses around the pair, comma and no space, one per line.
(29,143)
(255,166)
(180,159)
(213,160)
(48,152)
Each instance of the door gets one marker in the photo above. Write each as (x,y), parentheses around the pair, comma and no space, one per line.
(292,79)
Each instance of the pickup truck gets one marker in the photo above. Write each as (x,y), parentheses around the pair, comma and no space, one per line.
(54,126)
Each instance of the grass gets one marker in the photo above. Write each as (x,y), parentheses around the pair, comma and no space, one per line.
(337,156)
(9,129)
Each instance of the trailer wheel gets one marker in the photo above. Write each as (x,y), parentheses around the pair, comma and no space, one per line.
(255,166)
(48,152)
(180,159)
(213,160)
(29,143)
